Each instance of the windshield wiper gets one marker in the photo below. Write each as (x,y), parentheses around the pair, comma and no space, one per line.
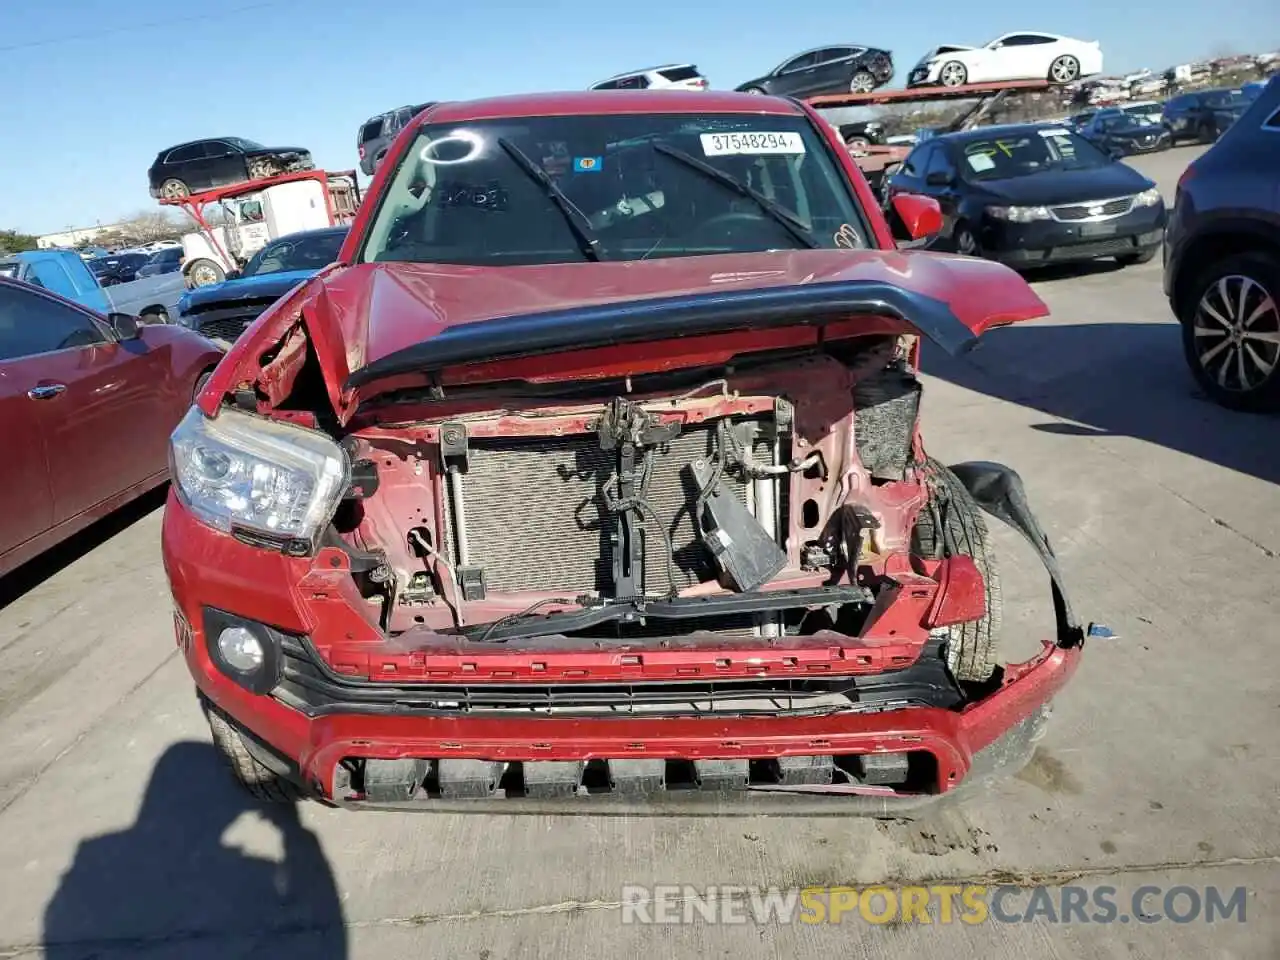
(775,211)
(577,220)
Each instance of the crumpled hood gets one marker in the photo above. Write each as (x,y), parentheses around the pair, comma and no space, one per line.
(375,311)
(946,48)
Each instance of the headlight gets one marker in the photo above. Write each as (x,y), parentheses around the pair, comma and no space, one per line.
(239,471)
(1019,214)
(1148,198)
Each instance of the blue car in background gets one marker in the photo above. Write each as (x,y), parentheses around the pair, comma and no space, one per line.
(222,311)
(63,272)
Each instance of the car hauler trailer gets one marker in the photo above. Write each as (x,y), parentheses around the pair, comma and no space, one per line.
(253,213)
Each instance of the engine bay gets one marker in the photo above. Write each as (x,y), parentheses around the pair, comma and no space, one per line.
(762,500)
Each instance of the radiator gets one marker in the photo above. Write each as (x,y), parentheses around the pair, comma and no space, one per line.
(536,515)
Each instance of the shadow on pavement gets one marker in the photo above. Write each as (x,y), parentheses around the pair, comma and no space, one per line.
(39,569)
(169,886)
(1113,379)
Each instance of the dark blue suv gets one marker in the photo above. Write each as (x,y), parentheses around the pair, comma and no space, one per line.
(1222,260)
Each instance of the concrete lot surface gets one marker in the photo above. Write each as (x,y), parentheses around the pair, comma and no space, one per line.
(121,835)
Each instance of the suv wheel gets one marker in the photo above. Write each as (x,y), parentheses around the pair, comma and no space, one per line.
(174,189)
(862,82)
(1231,331)
(971,647)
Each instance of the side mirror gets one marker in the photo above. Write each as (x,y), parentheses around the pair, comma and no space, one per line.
(921,217)
(125,325)
(939,178)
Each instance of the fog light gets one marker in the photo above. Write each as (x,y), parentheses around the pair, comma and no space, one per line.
(241,650)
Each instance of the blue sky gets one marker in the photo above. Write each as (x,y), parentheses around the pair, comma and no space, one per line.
(91,90)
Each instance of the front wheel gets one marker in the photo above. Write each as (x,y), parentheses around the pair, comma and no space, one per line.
(1231,331)
(953,74)
(952,520)
(1064,69)
(174,189)
(237,749)
(203,272)
(966,243)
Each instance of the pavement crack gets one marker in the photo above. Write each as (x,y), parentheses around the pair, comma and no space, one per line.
(31,781)
(991,878)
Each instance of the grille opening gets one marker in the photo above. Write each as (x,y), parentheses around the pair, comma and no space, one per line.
(559,538)
(681,775)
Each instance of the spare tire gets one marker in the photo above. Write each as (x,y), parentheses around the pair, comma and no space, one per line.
(971,648)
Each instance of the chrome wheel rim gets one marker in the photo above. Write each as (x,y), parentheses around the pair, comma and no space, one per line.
(966,244)
(1064,69)
(1237,333)
(203,276)
(173,189)
(861,83)
(953,74)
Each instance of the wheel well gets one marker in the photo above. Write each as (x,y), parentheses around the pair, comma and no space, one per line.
(1210,248)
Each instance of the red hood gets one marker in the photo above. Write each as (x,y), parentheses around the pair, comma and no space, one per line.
(362,314)
(382,308)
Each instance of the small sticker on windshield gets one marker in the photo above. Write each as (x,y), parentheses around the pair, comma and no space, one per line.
(728,144)
(980,162)
(846,237)
(587,164)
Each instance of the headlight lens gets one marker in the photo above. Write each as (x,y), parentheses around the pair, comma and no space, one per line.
(1148,198)
(1019,214)
(239,470)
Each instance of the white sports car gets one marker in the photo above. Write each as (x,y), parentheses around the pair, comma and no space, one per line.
(1014,56)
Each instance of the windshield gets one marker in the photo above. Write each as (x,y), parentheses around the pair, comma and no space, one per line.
(295,253)
(612,187)
(1145,115)
(244,144)
(1019,154)
(1228,99)
(8,269)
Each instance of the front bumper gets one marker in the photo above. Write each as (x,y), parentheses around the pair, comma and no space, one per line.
(925,75)
(315,740)
(1045,242)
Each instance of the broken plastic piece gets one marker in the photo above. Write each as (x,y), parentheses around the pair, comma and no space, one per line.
(743,549)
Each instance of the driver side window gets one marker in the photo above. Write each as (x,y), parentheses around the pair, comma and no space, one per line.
(31,324)
(799,63)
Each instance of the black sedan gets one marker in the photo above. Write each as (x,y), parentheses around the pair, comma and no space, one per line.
(166,260)
(1203,115)
(117,267)
(204,164)
(838,68)
(1122,134)
(1033,194)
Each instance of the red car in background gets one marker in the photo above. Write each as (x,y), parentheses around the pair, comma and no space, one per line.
(87,404)
(593,467)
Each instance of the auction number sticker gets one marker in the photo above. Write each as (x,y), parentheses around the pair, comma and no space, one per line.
(725,144)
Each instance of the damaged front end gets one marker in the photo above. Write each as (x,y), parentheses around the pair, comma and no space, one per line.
(711,561)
